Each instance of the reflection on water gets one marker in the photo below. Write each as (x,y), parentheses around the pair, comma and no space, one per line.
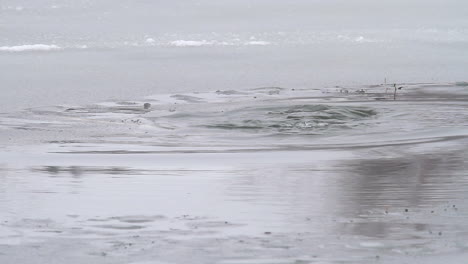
(406,198)
(147,187)
(352,206)
(406,181)
(78,171)
(385,206)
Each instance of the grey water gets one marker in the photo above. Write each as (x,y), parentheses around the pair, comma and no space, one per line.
(265,175)
(100,50)
(150,132)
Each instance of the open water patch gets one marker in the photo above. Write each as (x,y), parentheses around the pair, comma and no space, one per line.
(295,119)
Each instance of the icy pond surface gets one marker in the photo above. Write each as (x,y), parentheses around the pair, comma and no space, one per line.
(266,175)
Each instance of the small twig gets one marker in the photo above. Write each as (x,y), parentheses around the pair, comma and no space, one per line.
(394,93)
(385,85)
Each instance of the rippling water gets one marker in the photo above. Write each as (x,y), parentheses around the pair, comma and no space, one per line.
(260,143)
(268,175)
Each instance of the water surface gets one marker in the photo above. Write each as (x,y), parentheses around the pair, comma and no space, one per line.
(264,175)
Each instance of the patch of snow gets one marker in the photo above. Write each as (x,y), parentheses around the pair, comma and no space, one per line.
(191,43)
(258,43)
(150,41)
(33,47)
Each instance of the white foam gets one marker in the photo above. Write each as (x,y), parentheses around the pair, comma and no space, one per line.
(258,43)
(150,262)
(358,39)
(190,43)
(150,40)
(15,8)
(363,39)
(33,47)
(371,244)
